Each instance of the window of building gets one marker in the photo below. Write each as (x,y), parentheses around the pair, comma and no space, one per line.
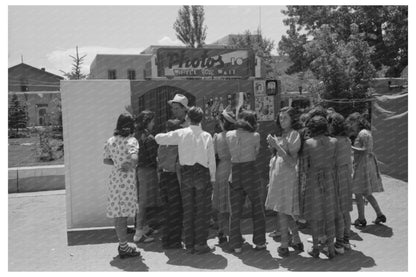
(112,74)
(131,74)
(24,85)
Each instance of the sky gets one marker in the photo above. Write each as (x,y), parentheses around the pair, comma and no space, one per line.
(46,35)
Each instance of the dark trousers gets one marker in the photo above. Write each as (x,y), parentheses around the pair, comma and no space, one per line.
(245,182)
(170,193)
(196,202)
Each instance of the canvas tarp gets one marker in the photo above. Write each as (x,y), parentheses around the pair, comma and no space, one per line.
(390,132)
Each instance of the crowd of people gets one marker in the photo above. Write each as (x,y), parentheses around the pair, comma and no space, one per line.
(319,160)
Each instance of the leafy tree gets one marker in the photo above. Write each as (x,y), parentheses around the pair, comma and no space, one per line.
(344,67)
(17,114)
(189,26)
(76,74)
(261,46)
(383,27)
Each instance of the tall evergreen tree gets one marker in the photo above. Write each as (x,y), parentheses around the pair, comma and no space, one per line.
(189,26)
(17,114)
(77,62)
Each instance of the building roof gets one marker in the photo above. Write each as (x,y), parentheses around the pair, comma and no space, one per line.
(23,65)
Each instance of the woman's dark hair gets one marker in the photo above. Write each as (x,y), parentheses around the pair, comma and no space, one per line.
(360,118)
(143,119)
(294,119)
(227,125)
(247,120)
(125,125)
(173,124)
(317,125)
(336,125)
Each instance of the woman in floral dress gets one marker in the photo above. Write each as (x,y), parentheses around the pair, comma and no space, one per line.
(121,151)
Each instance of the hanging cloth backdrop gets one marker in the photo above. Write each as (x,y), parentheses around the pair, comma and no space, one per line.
(389,128)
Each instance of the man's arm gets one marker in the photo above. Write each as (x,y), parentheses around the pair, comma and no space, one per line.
(170,138)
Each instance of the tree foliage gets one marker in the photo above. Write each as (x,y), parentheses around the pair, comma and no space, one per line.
(344,67)
(17,114)
(383,27)
(261,46)
(76,73)
(189,26)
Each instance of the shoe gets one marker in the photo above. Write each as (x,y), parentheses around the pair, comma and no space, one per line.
(380,219)
(222,240)
(329,252)
(283,251)
(302,224)
(203,249)
(339,250)
(314,252)
(347,246)
(360,223)
(260,247)
(142,239)
(297,247)
(238,250)
(275,234)
(189,250)
(129,253)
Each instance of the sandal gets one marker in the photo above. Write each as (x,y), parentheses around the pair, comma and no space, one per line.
(380,219)
(360,223)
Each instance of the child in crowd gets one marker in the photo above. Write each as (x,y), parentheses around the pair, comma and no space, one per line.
(337,129)
(244,145)
(366,178)
(121,151)
(321,203)
(283,194)
(170,191)
(148,188)
(220,199)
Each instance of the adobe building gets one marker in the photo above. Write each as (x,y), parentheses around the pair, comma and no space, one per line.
(38,90)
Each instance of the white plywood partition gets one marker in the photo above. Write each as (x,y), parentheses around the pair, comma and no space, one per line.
(90,109)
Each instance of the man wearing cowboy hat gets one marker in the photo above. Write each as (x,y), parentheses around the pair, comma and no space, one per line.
(179,107)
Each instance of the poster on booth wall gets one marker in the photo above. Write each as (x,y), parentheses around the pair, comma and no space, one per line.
(264,106)
(260,88)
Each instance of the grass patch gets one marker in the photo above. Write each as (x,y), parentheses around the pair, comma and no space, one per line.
(25,152)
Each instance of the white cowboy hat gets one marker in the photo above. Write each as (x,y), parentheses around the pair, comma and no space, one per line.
(181,99)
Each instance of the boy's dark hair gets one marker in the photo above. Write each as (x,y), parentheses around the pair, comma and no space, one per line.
(336,125)
(318,125)
(195,114)
(143,119)
(173,124)
(125,125)
(247,120)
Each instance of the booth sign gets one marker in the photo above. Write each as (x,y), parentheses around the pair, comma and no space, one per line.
(198,62)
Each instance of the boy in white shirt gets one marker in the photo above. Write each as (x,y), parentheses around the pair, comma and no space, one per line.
(197,160)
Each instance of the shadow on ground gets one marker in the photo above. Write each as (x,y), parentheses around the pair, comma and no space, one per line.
(130,264)
(350,261)
(205,261)
(379,230)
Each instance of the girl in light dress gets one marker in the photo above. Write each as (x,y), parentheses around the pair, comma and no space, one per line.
(366,178)
(283,192)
